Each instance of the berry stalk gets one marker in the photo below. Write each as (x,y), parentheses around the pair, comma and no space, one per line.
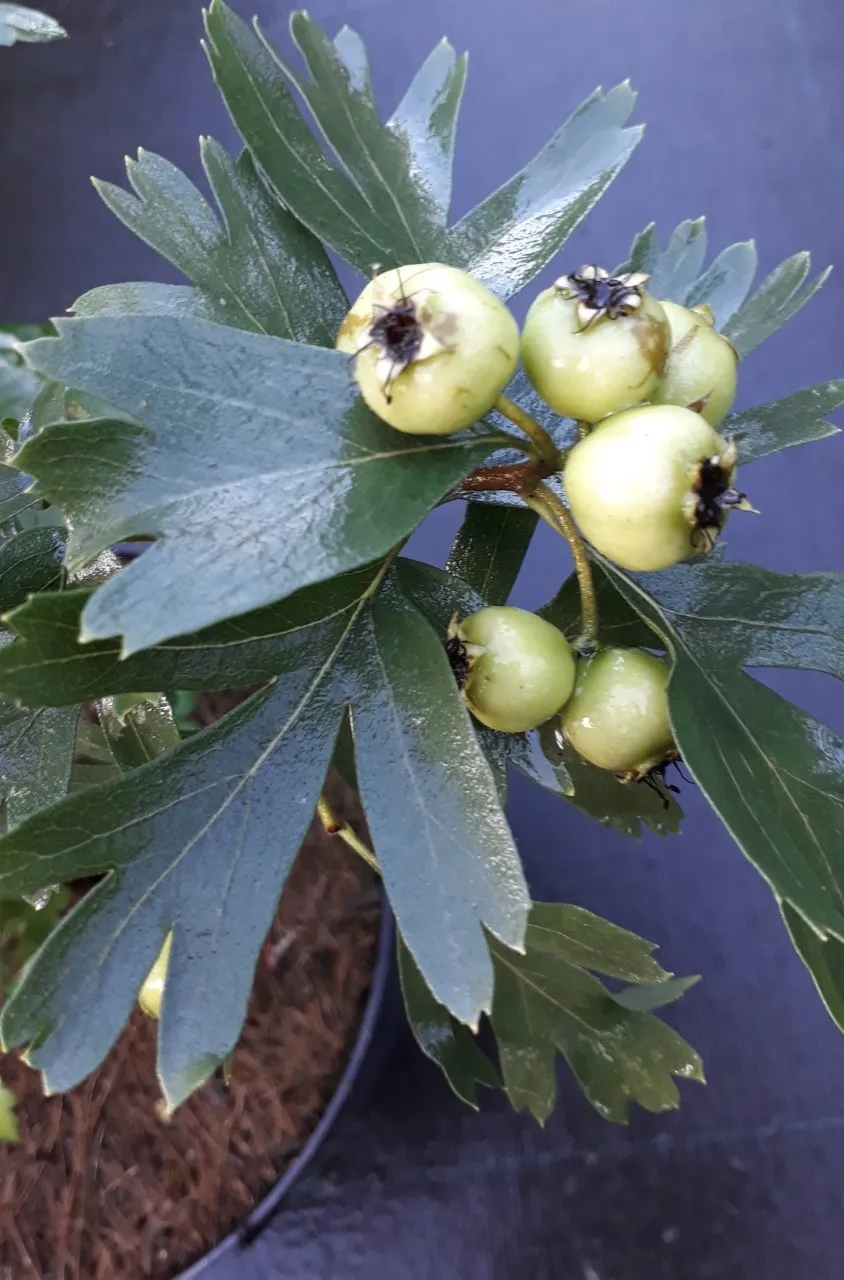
(335,826)
(546,450)
(553,511)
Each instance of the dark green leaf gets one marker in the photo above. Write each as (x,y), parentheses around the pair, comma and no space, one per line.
(783,423)
(726,282)
(624,806)
(144,299)
(823,957)
(198,841)
(373,210)
(619,623)
(36,752)
(509,238)
(18,386)
(547,1000)
(379,161)
(443,844)
(743,615)
(142,734)
(774,775)
(18,23)
(425,121)
(445,1041)
(29,562)
(648,998)
(254,495)
(387,203)
(581,938)
(48,665)
(778,298)
(490,547)
(260,270)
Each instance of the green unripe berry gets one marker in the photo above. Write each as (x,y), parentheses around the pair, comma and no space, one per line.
(651,486)
(152,992)
(588,373)
(701,371)
(617,718)
(521,669)
(434,348)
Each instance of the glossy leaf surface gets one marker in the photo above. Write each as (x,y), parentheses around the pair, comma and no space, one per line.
(382,206)
(549,1000)
(258,269)
(193,842)
(30,562)
(448,1043)
(36,752)
(778,298)
(443,844)
(797,419)
(490,546)
(252,494)
(49,666)
(774,775)
(200,840)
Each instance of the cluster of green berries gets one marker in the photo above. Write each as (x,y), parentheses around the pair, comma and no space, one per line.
(649,483)
(518,671)
(652,482)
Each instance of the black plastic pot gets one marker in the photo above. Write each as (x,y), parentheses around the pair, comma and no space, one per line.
(362,1068)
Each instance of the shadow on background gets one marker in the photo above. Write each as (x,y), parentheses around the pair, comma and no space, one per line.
(743,102)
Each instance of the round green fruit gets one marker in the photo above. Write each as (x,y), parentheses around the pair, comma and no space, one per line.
(152,992)
(702,367)
(434,348)
(617,718)
(520,668)
(652,486)
(588,363)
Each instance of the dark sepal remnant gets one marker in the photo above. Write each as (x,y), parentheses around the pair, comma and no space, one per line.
(458,658)
(657,781)
(599,294)
(714,495)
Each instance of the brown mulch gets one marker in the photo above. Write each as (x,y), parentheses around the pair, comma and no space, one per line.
(101,1188)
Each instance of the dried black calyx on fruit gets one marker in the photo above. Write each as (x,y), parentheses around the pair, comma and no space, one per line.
(599,294)
(398,333)
(657,781)
(458,657)
(714,496)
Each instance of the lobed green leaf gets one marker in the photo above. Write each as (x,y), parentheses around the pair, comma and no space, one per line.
(48,665)
(443,844)
(260,270)
(774,775)
(797,419)
(448,1043)
(252,493)
(548,1000)
(778,298)
(389,200)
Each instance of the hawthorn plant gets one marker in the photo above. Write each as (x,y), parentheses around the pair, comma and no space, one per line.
(277,447)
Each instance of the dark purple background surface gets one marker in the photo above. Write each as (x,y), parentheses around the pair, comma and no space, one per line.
(744,104)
